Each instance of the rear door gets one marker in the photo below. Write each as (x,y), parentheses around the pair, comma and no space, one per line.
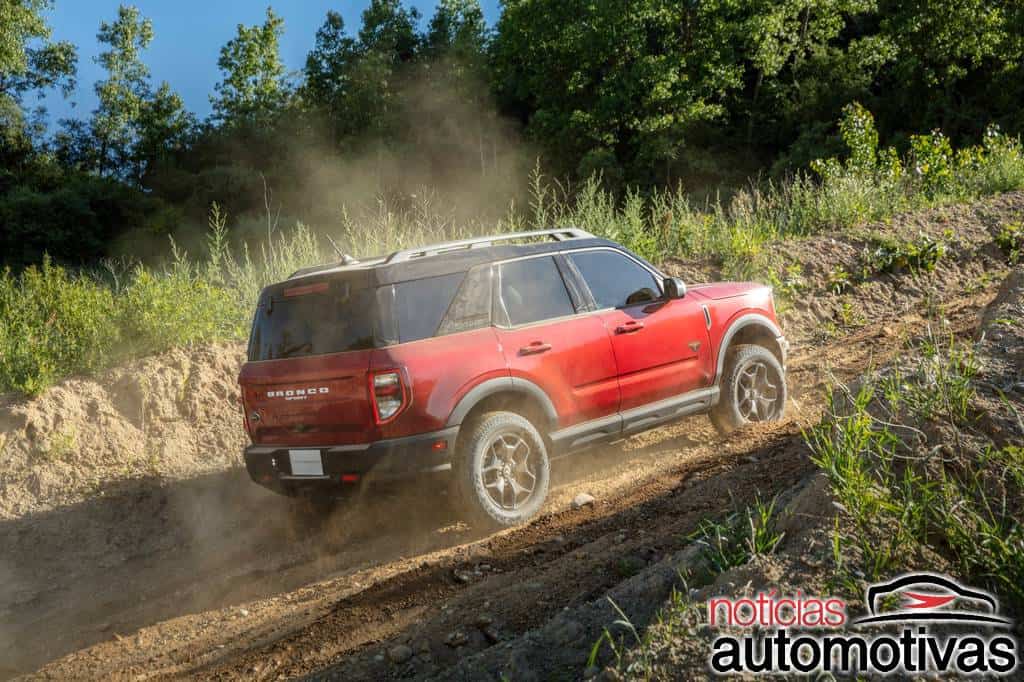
(548,339)
(661,346)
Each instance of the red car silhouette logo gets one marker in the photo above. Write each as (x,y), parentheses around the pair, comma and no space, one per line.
(928,597)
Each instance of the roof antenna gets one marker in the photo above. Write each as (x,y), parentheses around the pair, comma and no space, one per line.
(345,258)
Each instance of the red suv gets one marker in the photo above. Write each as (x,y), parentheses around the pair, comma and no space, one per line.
(490,357)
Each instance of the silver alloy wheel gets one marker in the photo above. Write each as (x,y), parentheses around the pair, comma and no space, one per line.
(756,396)
(506,473)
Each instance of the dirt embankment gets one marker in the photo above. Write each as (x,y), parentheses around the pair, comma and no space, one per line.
(171,416)
(140,534)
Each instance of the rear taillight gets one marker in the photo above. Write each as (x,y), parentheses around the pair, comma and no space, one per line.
(389,394)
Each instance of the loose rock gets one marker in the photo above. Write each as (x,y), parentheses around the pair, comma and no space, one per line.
(582,500)
(400,653)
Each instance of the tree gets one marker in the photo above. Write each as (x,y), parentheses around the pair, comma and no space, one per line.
(165,129)
(328,75)
(594,80)
(253,87)
(24,68)
(390,30)
(123,93)
(132,126)
(457,30)
(29,61)
(803,61)
(952,55)
(355,83)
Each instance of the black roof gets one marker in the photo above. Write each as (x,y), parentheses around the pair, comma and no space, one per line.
(381,271)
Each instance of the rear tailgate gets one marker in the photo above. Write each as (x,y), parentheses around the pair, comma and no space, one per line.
(319,400)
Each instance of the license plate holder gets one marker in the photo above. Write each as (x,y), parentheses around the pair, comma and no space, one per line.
(306,462)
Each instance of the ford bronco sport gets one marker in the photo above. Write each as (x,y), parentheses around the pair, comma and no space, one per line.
(488,358)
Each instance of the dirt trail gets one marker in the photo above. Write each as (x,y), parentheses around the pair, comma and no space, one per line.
(221,586)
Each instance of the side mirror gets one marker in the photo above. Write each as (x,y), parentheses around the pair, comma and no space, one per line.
(674,288)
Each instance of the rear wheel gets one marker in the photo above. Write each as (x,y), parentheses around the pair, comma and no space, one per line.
(501,470)
(753,389)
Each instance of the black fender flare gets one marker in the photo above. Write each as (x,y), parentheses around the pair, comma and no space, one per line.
(747,320)
(498,385)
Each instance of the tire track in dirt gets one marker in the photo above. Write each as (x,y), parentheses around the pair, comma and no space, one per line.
(677,475)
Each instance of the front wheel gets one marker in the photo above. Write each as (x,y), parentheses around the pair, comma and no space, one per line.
(501,471)
(753,389)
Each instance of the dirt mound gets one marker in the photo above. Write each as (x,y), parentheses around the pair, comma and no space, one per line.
(174,415)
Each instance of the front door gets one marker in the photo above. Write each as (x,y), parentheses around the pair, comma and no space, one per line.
(661,346)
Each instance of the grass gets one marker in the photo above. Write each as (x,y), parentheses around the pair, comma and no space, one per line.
(916,479)
(732,541)
(55,322)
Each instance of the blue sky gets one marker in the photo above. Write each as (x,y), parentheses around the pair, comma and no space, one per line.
(189,35)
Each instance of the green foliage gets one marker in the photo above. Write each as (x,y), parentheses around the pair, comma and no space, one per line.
(52,324)
(887,256)
(933,163)
(632,84)
(122,93)
(75,217)
(735,539)
(253,86)
(28,59)
(643,98)
(960,498)
(1011,240)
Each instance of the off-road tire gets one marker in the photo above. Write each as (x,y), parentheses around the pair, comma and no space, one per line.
(728,415)
(472,499)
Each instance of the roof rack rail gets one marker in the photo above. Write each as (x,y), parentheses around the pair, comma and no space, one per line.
(481,242)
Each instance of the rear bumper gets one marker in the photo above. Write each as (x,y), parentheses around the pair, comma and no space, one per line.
(345,465)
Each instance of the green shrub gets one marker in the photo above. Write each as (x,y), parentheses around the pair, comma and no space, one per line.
(885,256)
(904,492)
(52,324)
(1011,240)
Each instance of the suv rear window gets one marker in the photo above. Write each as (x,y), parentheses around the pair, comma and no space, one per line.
(312,319)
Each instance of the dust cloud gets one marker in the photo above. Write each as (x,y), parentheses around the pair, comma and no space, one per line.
(451,162)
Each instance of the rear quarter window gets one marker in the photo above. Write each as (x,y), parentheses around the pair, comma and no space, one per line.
(418,306)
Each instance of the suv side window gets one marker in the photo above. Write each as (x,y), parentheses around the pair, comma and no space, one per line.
(420,304)
(471,308)
(532,290)
(615,280)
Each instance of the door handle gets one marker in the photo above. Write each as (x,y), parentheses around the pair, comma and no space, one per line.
(629,327)
(535,348)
